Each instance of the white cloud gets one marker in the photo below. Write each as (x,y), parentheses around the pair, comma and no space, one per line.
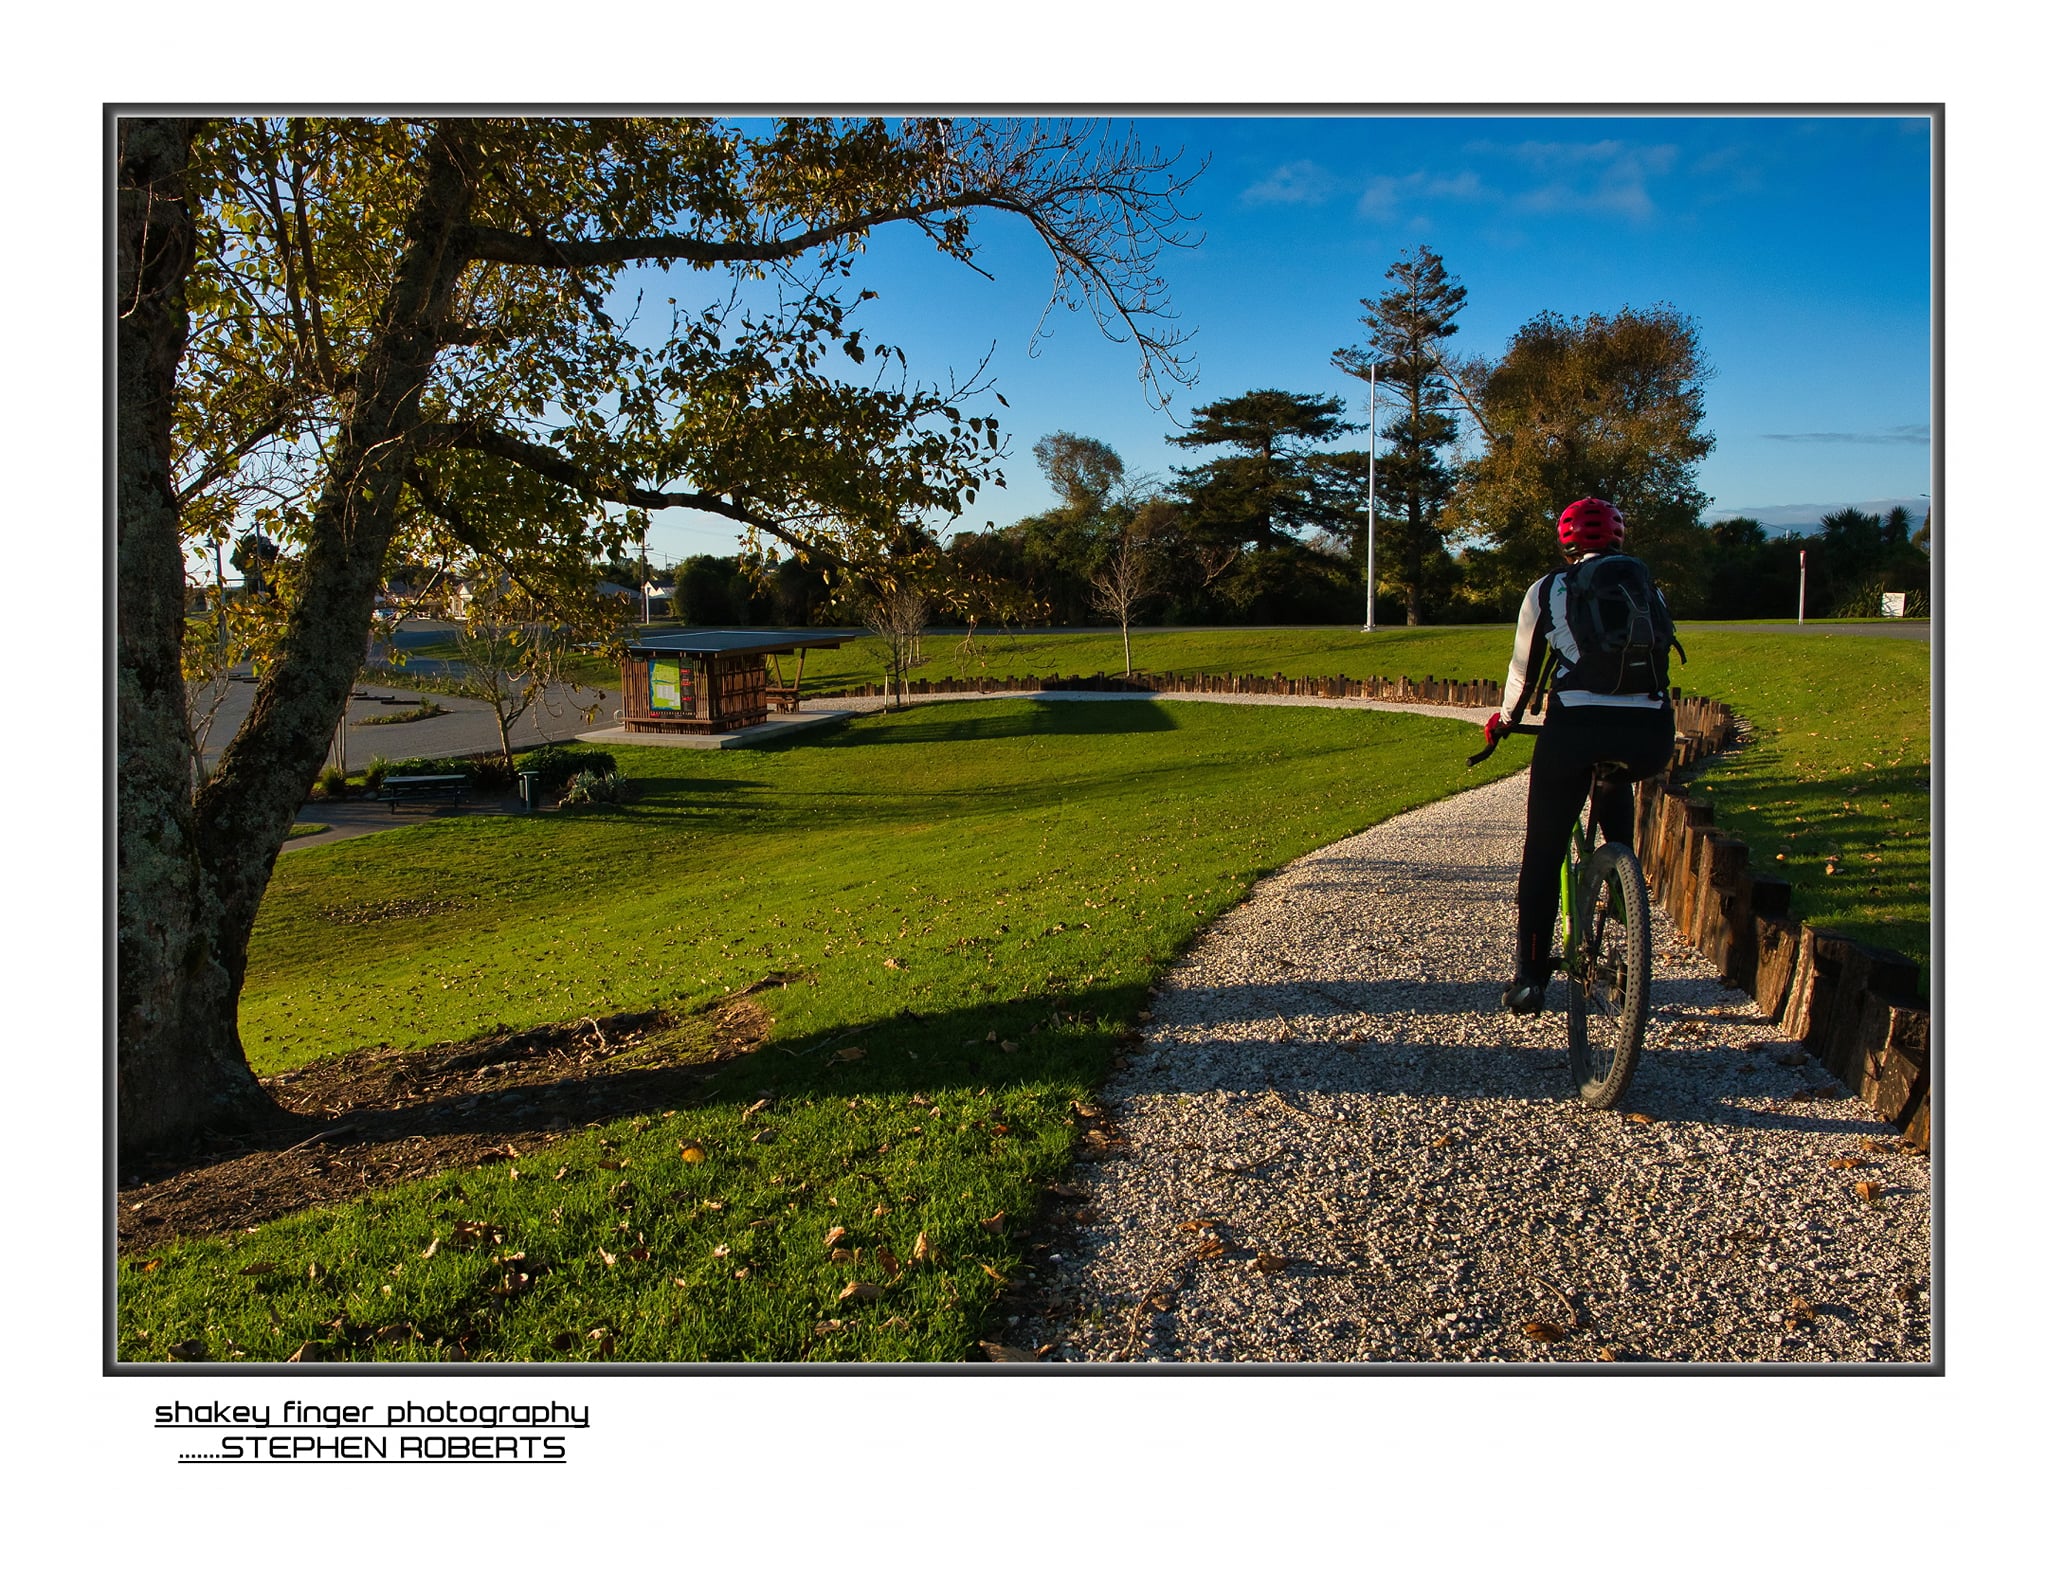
(1605,177)
(1296,182)
(1389,198)
(1892,436)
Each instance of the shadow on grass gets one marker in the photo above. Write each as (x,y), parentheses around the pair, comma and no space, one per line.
(932,723)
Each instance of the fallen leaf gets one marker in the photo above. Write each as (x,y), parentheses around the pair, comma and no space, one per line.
(1009,1047)
(992,1273)
(893,964)
(498,1154)
(562,1172)
(860,1290)
(1193,1226)
(1441,1141)
(610,1260)
(850,1054)
(1867,1189)
(754,1108)
(721,1251)
(830,1325)
(693,1153)
(433,1246)
(835,1235)
(924,1251)
(1845,1163)
(1912,1149)
(1609,1354)
(1269,1262)
(1007,1353)
(762,1137)
(888,1261)
(1639,1119)
(563,1342)
(993,1223)
(839,1254)
(1211,1248)
(1543,1329)
(150,1266)
(640,1254)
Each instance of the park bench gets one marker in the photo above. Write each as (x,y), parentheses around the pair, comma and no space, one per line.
(782,697)
(430,787)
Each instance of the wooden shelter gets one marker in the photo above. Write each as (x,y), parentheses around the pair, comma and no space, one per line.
(714,680)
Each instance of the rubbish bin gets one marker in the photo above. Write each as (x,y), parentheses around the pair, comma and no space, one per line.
(529,789)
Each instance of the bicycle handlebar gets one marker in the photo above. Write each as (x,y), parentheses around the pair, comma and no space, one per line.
(1520,727)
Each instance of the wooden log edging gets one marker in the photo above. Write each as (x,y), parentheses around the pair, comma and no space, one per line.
(1853,1007)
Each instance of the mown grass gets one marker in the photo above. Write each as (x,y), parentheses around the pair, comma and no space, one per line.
(1028,867)
(972,899)
(1837,774)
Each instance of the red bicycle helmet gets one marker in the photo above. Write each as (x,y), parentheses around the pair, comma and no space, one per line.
(1590,524)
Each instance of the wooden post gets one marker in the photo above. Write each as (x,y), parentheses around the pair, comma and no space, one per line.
(1867,974)
(1778,939)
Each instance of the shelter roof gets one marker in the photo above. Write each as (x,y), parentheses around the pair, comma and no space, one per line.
(740,642)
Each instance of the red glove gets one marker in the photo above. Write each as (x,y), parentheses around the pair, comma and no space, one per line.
(1495,730)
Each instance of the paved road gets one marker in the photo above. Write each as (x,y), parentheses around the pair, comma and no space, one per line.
(468,728)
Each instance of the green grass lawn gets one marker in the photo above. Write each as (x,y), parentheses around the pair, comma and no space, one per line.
(1837,775)
(973,899)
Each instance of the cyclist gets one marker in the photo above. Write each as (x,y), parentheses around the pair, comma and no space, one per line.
(1582,727)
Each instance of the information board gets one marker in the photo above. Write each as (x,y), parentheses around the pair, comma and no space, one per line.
(670,687)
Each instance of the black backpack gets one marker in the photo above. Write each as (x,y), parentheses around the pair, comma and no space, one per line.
(1621,626)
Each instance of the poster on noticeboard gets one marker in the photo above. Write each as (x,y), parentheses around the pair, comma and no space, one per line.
(668,686)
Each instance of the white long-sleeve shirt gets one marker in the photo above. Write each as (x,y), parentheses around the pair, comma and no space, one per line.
(1540,625)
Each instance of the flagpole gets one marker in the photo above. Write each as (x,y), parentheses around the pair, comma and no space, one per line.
(1372,459)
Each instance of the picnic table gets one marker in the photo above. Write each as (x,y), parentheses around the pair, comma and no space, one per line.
(430,786)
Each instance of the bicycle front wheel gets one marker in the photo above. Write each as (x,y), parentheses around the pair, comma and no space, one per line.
(1608,985)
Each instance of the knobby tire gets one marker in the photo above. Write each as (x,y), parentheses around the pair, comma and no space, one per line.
(1608,989)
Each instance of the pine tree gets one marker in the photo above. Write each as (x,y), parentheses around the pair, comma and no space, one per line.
(1409,324)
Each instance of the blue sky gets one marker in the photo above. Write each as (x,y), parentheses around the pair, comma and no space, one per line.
(1800,245)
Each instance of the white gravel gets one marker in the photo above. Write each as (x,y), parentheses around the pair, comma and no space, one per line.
(1334,1147)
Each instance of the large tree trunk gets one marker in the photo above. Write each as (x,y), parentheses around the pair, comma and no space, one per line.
(175,996)
(194,869)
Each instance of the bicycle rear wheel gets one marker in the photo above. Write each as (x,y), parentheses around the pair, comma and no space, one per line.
(1608,983)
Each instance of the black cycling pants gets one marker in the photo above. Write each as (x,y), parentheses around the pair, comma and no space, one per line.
(1572,740)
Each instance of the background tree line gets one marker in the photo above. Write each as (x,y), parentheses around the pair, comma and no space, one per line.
(1475,458)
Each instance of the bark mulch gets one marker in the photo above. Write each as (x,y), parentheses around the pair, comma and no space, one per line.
(381,1116)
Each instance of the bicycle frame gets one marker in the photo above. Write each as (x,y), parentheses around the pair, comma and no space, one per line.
(1584,842)
(1585,839)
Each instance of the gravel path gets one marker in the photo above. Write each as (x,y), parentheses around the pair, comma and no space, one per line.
(1334,1147)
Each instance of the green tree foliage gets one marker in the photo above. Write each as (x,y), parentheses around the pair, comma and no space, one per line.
(399,341)
(1605,405)
(1271,485)
(1408,325)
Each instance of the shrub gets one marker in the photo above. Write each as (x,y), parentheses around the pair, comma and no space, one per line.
(558,764)
(331,784)
(597,788)
(483,771)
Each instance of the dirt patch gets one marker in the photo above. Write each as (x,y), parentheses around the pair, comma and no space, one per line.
(383,1115)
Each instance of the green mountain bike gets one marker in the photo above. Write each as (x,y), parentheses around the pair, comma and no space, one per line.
(1606,953)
